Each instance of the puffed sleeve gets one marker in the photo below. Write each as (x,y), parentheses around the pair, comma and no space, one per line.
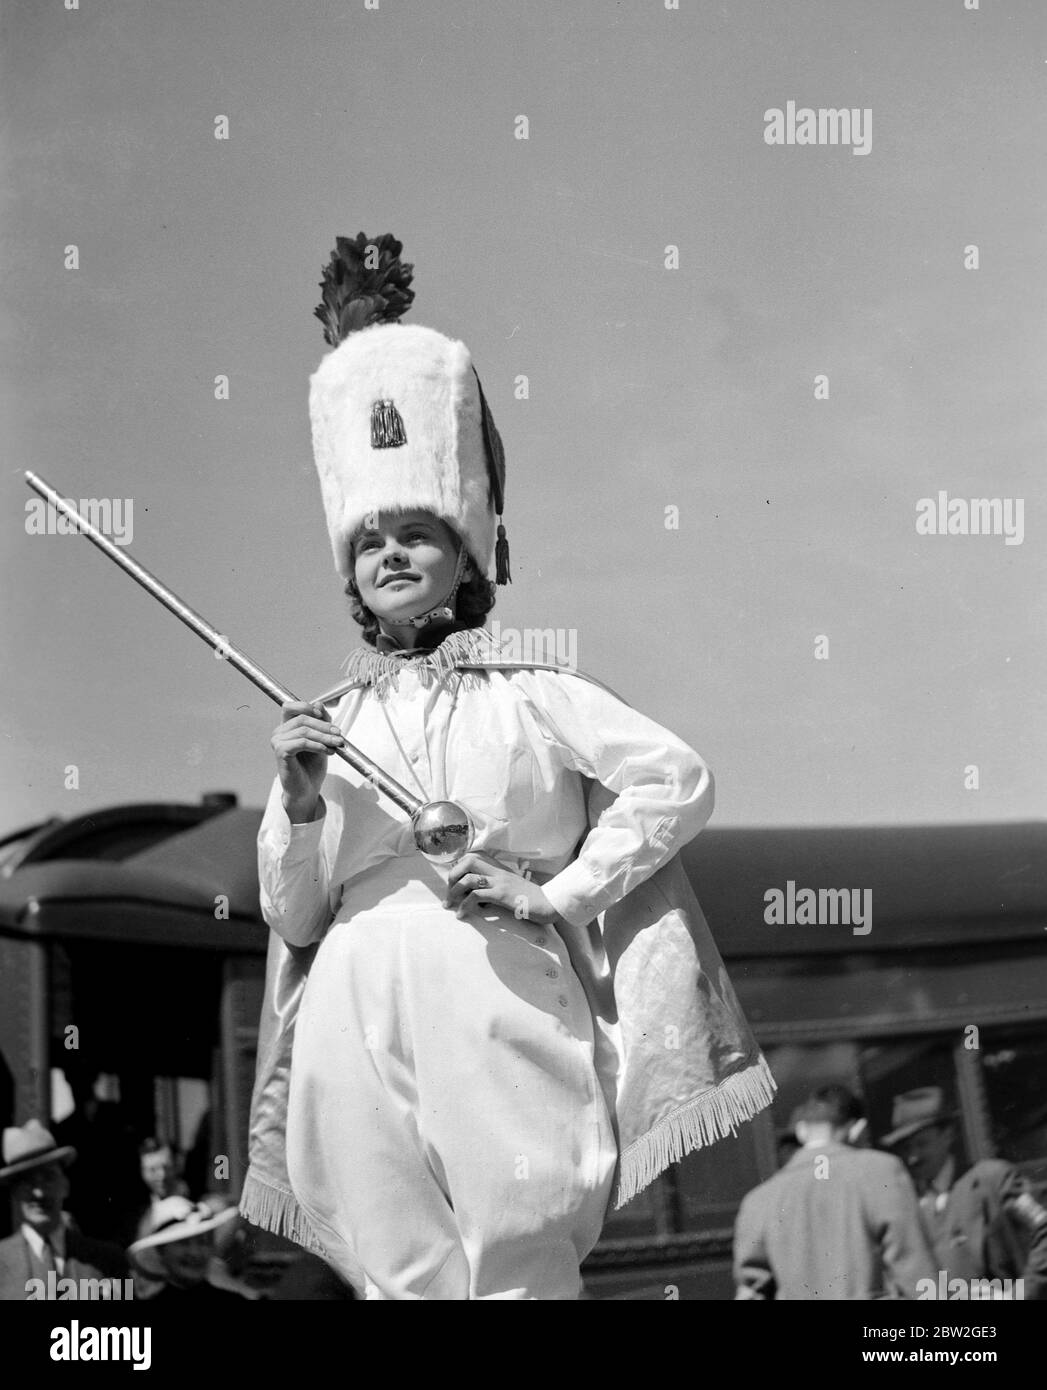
(664,789)
(294,870)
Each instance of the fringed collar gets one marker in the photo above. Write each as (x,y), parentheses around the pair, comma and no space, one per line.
(464,647)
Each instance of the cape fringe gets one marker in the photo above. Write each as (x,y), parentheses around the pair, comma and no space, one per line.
(332,696)
(381,670)
(702,1121)
(276,1211)
(479,651)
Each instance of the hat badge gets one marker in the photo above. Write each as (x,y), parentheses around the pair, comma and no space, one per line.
(387,426)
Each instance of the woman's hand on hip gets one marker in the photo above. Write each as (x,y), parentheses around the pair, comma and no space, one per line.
(477,878)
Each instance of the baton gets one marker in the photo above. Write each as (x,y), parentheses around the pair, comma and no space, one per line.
(442,829)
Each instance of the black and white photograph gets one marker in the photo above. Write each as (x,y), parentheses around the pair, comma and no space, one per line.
(524,745)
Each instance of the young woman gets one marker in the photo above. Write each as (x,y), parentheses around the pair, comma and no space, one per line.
(460,1052)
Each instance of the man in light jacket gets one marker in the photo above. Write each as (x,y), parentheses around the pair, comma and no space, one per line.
(836,1222)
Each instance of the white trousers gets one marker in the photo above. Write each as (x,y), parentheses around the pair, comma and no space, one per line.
(447,1132)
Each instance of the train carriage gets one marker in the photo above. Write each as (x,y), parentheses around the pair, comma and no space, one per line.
(132,958)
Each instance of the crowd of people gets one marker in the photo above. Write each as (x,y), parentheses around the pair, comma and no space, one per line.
(184,1250)
(841,1220)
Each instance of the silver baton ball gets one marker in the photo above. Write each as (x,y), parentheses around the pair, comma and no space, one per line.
(443,831)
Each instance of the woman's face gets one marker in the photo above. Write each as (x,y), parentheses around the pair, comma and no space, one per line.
(404,563)
(185,1261)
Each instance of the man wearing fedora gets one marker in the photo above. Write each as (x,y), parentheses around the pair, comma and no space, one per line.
(836,1221)
(45,1244)
(173,1260)
(982,1224)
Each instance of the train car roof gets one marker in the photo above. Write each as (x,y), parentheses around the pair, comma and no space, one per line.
(926,885)
(155,874)
(158,871)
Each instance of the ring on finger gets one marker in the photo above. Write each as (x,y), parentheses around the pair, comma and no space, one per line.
(481,882)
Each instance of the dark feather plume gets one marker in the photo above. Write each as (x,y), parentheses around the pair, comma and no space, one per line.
(355,294)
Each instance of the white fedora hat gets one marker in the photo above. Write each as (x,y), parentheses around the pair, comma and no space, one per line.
(29,1147)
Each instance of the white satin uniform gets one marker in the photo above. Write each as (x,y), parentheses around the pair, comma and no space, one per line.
(449,1133)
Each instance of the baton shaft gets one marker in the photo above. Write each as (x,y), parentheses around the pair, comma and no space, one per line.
(279,694)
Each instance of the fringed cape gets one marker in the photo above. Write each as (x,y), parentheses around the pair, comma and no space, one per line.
(678,1062)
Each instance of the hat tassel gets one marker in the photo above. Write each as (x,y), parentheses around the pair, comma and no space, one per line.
(501,558)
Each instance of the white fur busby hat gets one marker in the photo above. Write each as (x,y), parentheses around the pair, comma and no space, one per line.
(399,418)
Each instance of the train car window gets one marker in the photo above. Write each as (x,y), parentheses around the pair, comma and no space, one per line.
(710,1183)
(649,1214)
(876,1072)
(907,1064)
(699,1194)
(1013,1069)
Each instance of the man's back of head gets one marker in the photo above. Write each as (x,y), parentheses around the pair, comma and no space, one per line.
(831,1114)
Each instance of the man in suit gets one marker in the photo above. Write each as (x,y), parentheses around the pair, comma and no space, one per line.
(984,1223)
(46,1252)
(836,1221)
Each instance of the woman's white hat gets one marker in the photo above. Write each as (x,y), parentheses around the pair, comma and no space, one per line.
(174,1219)
(399,418)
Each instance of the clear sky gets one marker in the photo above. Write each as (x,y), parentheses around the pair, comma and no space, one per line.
(650,387)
